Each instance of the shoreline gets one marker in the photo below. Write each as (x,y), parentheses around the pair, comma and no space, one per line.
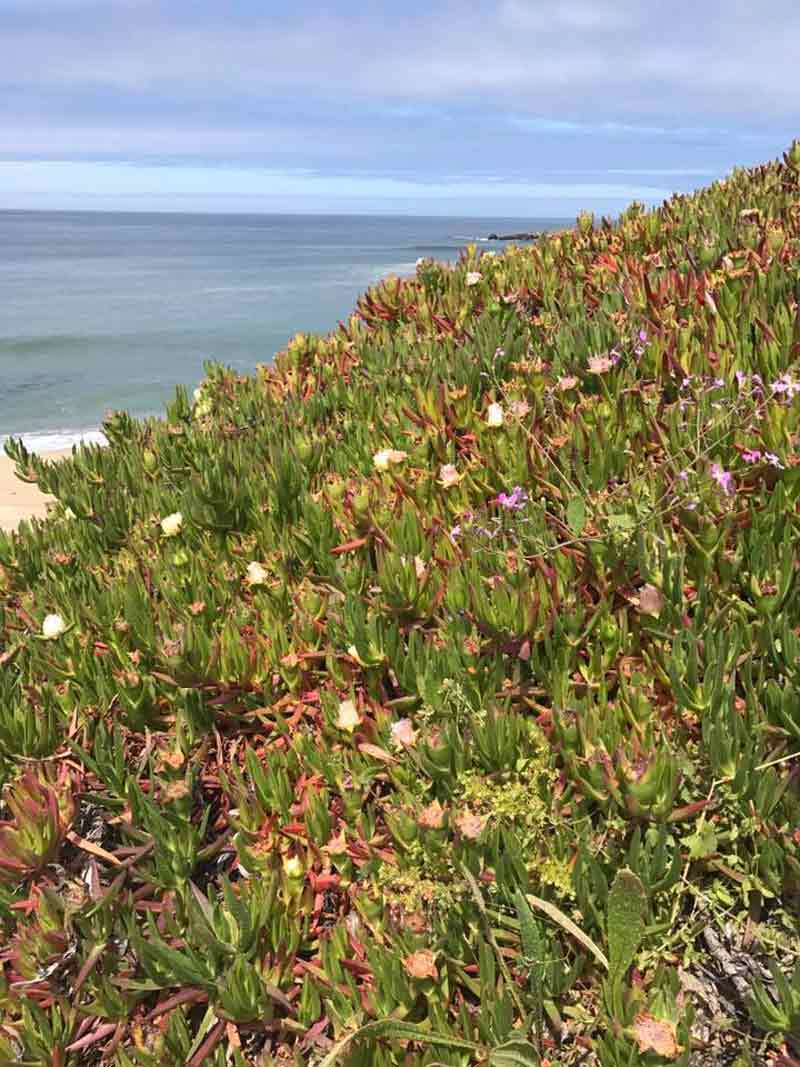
(20,500)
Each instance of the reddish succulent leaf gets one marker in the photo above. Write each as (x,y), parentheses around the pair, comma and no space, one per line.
(656,1035)
(432,817)
(421,964)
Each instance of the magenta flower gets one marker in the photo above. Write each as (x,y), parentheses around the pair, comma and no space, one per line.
(643,336)
(513,501)
(724,479)
(751,456)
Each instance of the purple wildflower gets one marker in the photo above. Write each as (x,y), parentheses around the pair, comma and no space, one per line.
(786,385)
(513,501)
(455,533)
(643,336)
(683,476)
(751,456)
(773,461)
(687,382)
(718,383)
(723,478)
(741,378)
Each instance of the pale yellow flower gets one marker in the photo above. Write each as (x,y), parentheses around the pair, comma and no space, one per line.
(387,457)
(293,867)
(348,718)
(257,574)
(171,525)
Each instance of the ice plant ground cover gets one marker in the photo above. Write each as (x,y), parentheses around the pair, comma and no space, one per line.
(343,719)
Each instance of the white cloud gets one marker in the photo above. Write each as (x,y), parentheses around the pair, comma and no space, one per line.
(620,57)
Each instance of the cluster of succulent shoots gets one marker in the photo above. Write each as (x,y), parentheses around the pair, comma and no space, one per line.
(355,710)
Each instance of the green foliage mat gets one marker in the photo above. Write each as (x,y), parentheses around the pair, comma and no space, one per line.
(432,696)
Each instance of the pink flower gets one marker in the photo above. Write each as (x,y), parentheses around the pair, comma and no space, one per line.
(403,733)
(448,476)
(724,479)
(751,456)
(600,364)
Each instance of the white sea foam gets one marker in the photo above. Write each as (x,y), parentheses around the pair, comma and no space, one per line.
(46,441)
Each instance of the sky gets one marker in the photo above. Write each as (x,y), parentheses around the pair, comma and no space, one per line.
(515,108)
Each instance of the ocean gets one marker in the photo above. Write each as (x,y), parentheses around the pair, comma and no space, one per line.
(102,311)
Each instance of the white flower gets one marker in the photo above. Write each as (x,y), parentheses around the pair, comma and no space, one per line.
(198,394)
(256,574)
(386,457)
(420,262)
(494,415)
(53,627)
(171,525)
(473,278)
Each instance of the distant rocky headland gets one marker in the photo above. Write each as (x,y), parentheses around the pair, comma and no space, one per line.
(514,236)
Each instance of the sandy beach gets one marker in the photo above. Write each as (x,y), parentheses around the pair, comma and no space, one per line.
(19,500)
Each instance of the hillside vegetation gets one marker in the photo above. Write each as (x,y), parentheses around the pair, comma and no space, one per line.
(433,695)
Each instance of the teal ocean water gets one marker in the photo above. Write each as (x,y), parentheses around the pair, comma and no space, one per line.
(107,311)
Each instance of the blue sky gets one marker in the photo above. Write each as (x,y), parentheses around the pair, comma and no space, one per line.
(512,108)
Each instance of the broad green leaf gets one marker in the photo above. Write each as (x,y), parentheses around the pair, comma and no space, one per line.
(576,515)
(627,903)
(516,1052)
